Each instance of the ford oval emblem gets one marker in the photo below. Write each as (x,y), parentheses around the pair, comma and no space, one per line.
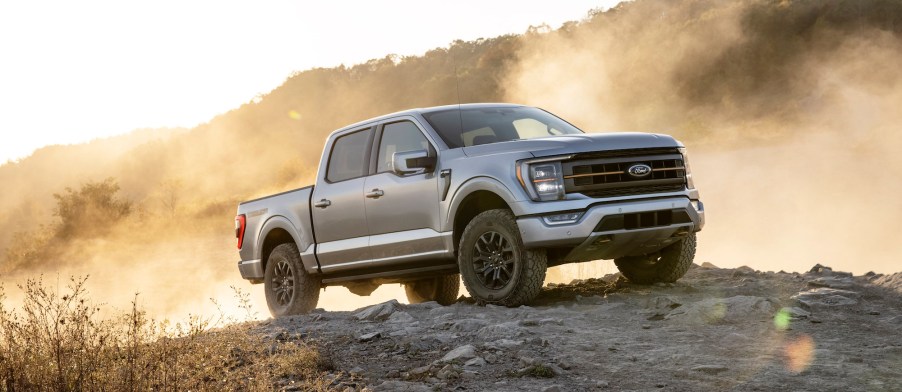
(639,170)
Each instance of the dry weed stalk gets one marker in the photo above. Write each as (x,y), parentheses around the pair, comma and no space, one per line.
(59,342)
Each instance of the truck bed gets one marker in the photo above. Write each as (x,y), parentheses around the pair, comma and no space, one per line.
(287,211)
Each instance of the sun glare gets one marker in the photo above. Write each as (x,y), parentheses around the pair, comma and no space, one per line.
(77,71)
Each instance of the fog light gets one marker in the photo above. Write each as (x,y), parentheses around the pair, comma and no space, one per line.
(563,219)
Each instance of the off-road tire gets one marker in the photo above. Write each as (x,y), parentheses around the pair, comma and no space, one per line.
(285,274)
(442,289)
(528,266)
(666,266)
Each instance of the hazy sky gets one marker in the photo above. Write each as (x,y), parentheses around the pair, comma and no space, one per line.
(71,71)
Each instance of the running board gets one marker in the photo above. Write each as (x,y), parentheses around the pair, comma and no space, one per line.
(391,274)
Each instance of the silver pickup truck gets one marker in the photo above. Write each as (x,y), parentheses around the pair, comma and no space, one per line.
(493,192)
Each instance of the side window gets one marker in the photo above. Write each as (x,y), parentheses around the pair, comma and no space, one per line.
(348,157)
(399,137)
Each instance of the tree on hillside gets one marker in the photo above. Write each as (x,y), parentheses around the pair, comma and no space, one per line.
(170,191)
(89,210)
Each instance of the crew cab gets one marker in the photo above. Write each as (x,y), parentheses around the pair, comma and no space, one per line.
(490,194)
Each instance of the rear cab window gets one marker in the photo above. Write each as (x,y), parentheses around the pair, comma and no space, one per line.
(349,156)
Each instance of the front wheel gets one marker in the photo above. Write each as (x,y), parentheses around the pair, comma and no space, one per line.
(442,289)
(668,265)
(289,289)
(495,265)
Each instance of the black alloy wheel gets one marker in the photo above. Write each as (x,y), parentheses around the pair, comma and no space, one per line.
(494,260)
(283,283)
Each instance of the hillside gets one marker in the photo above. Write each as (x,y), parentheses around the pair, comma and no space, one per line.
(715,329)
(806,90)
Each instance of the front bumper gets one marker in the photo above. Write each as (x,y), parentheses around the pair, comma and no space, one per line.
(632,228)
(251,269)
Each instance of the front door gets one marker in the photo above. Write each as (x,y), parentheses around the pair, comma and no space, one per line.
(402,210)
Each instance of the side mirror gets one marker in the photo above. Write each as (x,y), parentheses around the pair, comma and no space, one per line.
(412,162)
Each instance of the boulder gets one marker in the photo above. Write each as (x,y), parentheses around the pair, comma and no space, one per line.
(826,297)
(732,309)
(832,282)
(475,362)
(462,353)
(892,282)
(418,372)
(468,325)
(400,318)
(369,336)
(378,312)
(743,271)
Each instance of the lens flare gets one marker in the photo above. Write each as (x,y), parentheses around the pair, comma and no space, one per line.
(799,354)
(781,320)
(294,115)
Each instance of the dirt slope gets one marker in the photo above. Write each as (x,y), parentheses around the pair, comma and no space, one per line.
(715,329)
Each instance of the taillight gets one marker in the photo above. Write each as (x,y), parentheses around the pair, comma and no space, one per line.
(240,224)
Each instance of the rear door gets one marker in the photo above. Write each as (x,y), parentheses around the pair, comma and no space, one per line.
(402,210)
(339,217)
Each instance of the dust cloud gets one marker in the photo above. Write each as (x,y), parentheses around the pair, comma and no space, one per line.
(173,273)
(790,110)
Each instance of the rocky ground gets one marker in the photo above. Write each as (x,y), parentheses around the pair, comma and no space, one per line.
(715,329)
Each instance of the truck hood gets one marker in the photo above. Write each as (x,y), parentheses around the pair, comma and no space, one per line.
(571,144)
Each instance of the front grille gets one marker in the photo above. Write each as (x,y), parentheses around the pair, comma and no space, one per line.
(610,177)
(639,190)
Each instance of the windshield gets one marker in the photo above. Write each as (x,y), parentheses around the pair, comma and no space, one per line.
(470,127)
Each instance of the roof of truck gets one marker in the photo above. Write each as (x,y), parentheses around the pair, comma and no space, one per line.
(429,110)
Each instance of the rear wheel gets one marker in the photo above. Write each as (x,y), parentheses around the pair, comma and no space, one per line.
(666,266)
(495,265)
(289,289)
(442,289)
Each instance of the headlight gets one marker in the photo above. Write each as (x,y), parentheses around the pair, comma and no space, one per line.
(547,180)
(689,183)
(544,179)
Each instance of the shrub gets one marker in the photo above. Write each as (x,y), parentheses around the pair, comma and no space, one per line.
(89,210)
(59,342)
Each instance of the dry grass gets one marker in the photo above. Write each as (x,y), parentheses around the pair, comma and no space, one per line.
(57,341)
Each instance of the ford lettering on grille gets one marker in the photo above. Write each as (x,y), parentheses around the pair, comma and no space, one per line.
(639,170)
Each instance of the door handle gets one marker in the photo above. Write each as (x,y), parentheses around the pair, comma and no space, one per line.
(375,194)
(322,203)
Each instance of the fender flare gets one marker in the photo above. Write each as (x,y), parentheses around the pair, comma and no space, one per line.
(276,222)
(476,184)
